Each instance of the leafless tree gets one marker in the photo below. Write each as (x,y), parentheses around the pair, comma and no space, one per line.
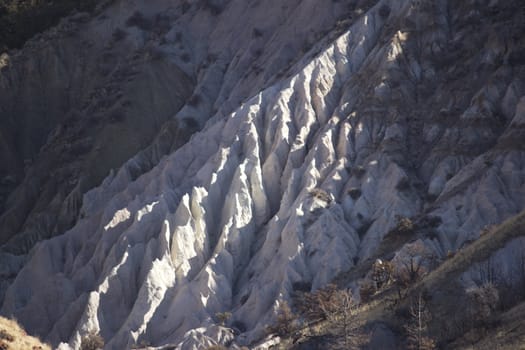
(315,306)
(340,315)
(337,307)
(412,265)
(417,326)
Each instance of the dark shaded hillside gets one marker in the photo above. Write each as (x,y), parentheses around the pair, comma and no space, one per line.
(22,19)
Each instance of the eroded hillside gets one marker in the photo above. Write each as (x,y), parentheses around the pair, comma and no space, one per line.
(315,130)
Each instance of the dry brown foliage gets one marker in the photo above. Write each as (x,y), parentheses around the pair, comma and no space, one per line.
(92,341)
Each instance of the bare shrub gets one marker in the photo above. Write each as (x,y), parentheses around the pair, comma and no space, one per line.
(92,341)
(321,195)
(382,273)
(404,226)
(417,326)
(223,317)
(315,306)
(411,264)
(342,324)
(286,322)
(483,302)
(337,307)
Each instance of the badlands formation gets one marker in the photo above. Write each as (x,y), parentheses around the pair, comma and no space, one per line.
(164,161)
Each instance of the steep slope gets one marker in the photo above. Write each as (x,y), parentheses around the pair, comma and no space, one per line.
(416,109)
(143,70)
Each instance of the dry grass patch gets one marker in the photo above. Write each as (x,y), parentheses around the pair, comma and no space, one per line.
(478,251)
(13,337)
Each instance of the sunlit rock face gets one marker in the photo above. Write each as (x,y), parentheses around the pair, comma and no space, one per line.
(320,125)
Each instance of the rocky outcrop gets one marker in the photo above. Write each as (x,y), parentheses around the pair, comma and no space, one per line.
(405,109)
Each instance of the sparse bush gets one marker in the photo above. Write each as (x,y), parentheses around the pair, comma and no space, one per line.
(340,315)
(286,322)
(404,226)
(223,317)
(382,273)
(336,306)
(314,306)
(483,302)
(411,264)
(321,195)
(92,341)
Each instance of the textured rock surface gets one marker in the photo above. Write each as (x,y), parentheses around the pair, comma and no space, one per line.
(411,109)
(137,69)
